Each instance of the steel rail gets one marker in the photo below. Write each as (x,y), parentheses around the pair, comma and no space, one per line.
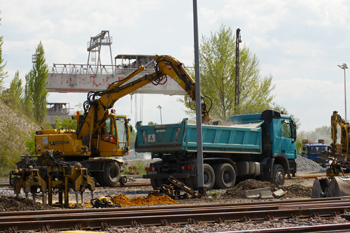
(341,227)
(181,216)
(281,203)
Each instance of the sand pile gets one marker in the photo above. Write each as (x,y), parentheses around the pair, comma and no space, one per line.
(123,200)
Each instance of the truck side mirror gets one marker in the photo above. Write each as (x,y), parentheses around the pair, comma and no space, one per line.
(294,131)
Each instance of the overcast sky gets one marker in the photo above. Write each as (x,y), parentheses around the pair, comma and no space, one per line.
(300,43)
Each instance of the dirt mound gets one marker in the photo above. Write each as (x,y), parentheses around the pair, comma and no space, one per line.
(123,200)
(297,190)
(239,190)
(21,204)
(293,191)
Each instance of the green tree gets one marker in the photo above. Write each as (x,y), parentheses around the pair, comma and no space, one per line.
(27,98)
(69,123)
(132,137)
(65,123)
(58,123)
(3,74)
(30,143)
(217,61)
(16,91)
(323,132)
(39,75)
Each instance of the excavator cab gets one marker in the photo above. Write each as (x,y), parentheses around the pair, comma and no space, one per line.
(113,137)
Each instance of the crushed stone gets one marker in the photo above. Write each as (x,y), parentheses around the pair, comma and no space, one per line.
(308,165)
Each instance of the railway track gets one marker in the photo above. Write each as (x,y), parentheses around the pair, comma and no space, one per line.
(148,216)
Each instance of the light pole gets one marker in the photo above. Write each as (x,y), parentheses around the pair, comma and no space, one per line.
(160,109)
(344,66)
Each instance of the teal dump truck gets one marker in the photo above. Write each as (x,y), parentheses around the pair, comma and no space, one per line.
(259,146)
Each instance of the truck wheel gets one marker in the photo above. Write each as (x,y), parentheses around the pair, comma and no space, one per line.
(225,176)
(209,178)
(154,184)
(111,174)
(278,175)
(123,180)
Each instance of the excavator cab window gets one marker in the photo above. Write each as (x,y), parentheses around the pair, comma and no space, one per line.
(108,131)
(122,132)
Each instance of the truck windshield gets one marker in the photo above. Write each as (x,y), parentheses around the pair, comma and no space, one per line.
(314,150)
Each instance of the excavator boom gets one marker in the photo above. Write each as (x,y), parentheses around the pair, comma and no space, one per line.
(98,103)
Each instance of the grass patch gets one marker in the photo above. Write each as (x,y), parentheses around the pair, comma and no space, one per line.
(139,164)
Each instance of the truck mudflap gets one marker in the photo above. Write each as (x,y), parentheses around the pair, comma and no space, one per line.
(166,176)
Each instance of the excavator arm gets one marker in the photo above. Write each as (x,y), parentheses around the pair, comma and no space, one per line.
(338,152)
(99,102)
(343,147)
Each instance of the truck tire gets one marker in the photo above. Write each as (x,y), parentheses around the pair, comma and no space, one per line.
(154,184)
(123,180)
(225,176)
(278,175)
(209,178)
(111,174)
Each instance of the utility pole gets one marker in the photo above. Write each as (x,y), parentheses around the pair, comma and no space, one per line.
(200,170)
(344,66)
(160,109)
(238,40)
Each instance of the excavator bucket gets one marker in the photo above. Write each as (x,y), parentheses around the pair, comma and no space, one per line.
(320,187)
(338,187)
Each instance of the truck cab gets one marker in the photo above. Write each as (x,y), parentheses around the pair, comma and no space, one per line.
(313,151)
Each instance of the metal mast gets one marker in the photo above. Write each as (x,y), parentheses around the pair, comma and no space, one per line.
(238,40)
(200,167)
(98,41)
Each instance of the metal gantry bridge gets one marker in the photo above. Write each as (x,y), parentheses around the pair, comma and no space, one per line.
(94,76)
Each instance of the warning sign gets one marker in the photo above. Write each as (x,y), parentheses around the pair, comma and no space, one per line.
(151,138)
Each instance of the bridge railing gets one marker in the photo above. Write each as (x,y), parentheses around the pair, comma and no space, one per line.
(74,69)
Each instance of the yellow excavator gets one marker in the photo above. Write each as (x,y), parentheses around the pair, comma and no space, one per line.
(336,183)
(101,135)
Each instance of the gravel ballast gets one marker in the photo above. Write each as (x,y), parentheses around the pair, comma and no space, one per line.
(307,165)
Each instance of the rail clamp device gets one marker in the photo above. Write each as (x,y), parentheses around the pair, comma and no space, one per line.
(183,187)
(172,190)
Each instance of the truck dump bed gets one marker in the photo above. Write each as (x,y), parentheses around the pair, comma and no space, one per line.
(182,137)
